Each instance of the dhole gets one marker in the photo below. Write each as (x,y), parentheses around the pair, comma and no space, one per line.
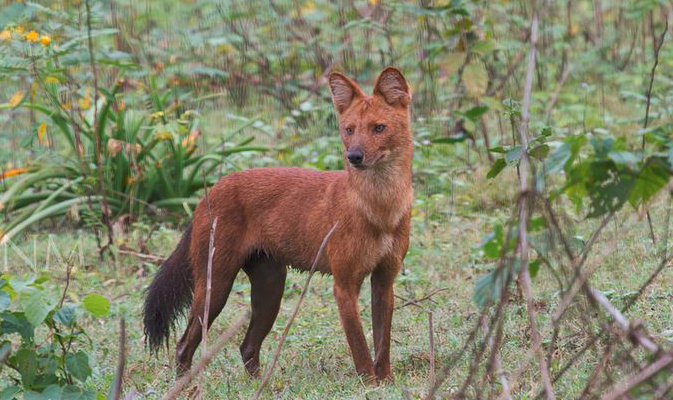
(269,218)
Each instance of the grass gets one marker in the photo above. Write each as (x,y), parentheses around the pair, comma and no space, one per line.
(316,362)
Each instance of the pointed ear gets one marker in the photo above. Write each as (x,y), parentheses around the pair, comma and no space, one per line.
(392,86)
(344,91)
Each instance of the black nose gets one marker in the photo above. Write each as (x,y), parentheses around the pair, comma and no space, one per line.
(355,157)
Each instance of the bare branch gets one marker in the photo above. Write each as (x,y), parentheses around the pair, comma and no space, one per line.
(182,383)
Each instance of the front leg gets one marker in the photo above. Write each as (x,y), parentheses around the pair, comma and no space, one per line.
(346,295)
(382,314)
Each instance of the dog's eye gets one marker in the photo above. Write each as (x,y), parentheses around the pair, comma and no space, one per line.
(379,128)
(349,131)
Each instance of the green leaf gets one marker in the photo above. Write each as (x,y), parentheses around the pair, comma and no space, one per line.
(51,392)
(5,300)
(66,315)
(9,392)
(77,365)
(475,78)
(484,46)
(452,62)
(498,149)
(475,112)
(625,157)
(25,361)
(534,267)
(96,304)
(539,152)
(497,167)
(16,322)
(558,159)
(513,156)
(36,305)
(5,349)
(650,180)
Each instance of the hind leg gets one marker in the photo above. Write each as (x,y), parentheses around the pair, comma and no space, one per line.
(220,288)
(267,279)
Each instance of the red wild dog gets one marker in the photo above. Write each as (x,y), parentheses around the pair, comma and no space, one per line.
(269,218)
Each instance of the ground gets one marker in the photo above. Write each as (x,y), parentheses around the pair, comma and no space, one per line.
(315,362)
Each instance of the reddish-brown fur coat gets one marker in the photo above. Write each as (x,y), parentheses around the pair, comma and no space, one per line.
(269,218)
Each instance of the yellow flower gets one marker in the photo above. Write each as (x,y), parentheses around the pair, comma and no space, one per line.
(51,79)
(45,40)
(32,36)
(19,29)
(12,172)
(16,98)
(84,103)
(5,34)
(41,132)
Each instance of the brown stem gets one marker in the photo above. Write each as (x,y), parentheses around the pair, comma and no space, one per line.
(182,383)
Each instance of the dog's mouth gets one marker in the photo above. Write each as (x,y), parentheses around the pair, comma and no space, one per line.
(363,166)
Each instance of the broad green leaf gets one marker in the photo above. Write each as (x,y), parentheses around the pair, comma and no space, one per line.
(5,300)
(498,149)
(66,315)
(36,305)
(26,363)
(96,304)
(475,112)
(539,152)
(5,349)
(16,322)
(558,159)
(650,180)
(484,46)
(51,392)
(513,156)
(452,62)
(534,267)
(475,79)
(625,157)
(497,167)
(77,364)
(8,392)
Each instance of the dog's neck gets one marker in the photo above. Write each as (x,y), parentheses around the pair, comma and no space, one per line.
(383,193)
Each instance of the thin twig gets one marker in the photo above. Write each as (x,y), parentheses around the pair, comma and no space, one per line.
(432,349)
(279,347)
(524,274)
(116,389)
(623,322)
(652,369)
(497,363)
(182,383)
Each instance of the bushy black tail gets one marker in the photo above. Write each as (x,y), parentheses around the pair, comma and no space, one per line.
(169,294)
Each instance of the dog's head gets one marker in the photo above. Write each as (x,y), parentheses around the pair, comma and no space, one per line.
(374,128)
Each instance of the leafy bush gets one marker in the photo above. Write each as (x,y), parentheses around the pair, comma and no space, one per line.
(41,342)
(130,148)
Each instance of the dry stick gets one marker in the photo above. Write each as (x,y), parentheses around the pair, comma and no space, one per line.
(652,369)
(116,391)
(647,108)
(623,322)
(209,277)
(523,210)
(182,383)
(554,97)
(209,280)
(276,354)
(432,350)
(496,361)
